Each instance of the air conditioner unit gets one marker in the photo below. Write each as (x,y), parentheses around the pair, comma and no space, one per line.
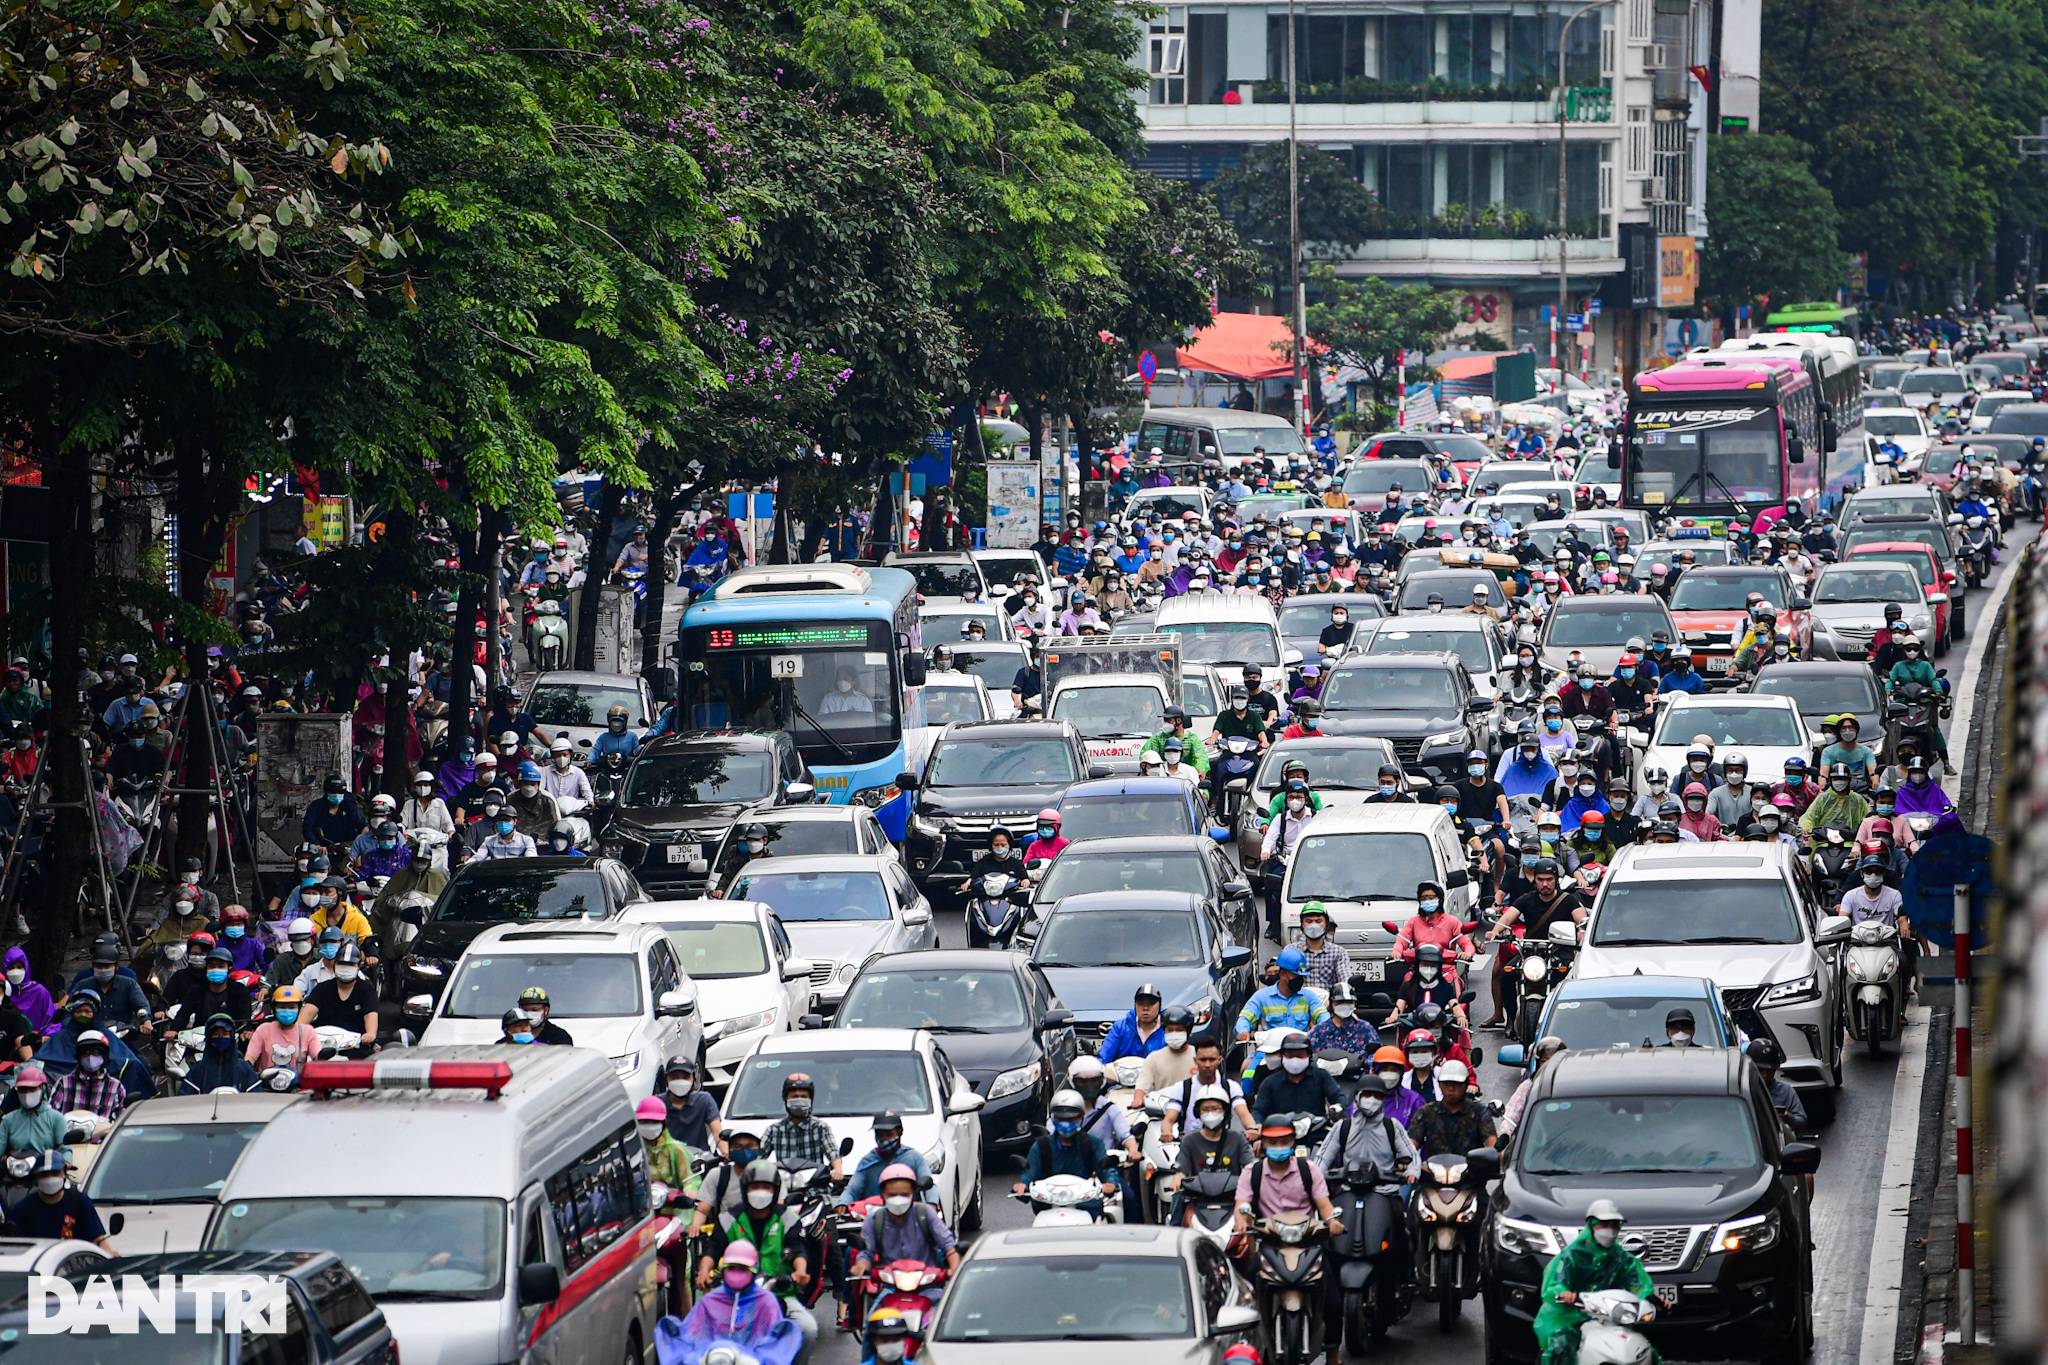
(1653,189)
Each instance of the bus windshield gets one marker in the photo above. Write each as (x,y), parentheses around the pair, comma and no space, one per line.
(1685,457)
(831,684)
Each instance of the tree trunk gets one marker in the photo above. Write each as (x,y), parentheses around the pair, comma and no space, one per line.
(595,571)
(656,601)
(462,638)
(401,530)
(493,542)
(202,532)
(68,478)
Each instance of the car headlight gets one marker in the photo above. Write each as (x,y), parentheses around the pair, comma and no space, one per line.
(1202,1013)
(1015,1079)
(871,797)
(419,967)
(1790,992)
(1456,737)
(847,969)
(1519,1238)
(1759,1233)
(627,1064)
(930,829)
(747,1023)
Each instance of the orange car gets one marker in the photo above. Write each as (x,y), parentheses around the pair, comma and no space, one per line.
(1710,606)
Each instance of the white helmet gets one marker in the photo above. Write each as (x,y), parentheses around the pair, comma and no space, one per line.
(1454,1072)
(1084,1069)
(1603,1211)
(1209,1092)
(561,745)
(299,928)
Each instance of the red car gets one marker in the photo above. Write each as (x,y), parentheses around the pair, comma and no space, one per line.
(1937,584)
(1710,607)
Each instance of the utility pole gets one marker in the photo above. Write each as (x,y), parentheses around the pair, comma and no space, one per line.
(2034,146)
(1297,301)
(1563,181)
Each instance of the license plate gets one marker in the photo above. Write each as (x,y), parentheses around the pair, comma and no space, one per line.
(681,853)
(1667,1295)
(1373,970)
(1718,665)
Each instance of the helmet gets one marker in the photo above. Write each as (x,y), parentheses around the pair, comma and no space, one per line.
(1294,1040)
(561,745)
(1548,1046)
(795,1081)
(1177,1016)
(1431,953)
(741,1253)
(1454,1073)
(1603,1211)
(651,1108)
(1763,1051)
(762,1171)
(562,829)
(1390,1056)
(1872,862)
(616,712)
(1418,1037)
(349,953)
(1049,816)
(92,1037)
(1344,991)
(887,1323)
(1065,1104)
(895,1170)
(30,1076)
(1085,1068)
(1292,960)
(1209,1092)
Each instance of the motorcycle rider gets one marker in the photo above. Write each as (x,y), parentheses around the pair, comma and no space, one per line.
(34,1125)
(1208,1072)
(499,835)
(1286,1182)
(1767,1057)
(692,1116)
(738,1309)
(1172,1063)
(1593,1260)
(1429,924)
(798,1139)
(1836,804)
(1212,1142)
(1913,668)
(345,1001)
(562,777)
(298,957)
(1872,899)
(1139,1033)
(121,994)
(1299,1086)
(1066,1150)
(1730,802)
(1049,842)
(424,810)
(221,1065)
(618,737)
(215,992)
(57,1210)
(1284,1003)
(1546,1047)
(1526,769)
(90,1085)
(1345,1029)
(284,1039)
(334,820)
(534,812)
(905,1228)
(1277,847)
(770,1225)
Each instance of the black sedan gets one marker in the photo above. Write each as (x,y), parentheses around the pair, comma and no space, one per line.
(1192,863)
(1823,687)
(1097,948)
(999,1022)
(484,892)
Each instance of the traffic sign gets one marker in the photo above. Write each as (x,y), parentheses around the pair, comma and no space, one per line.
(1593,308)
(1575,322)
(1148,366)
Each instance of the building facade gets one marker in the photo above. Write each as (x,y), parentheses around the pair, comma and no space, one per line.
(1448,110)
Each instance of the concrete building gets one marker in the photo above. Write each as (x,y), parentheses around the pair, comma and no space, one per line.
(1448,111)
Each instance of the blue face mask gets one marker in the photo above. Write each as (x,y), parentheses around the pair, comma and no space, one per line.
(1529,860)
(504,827)
(1794,779)
(137,742)
(1451,807)
(1066,1127)
(1386,789)
(1279,1155)
(334,798)
(328,950)
(522,1037)
(287,1017)
(1047,832)
(387,844)
(1475,769)
(235,931)
(1553,725)
(216,975)
(1627,673)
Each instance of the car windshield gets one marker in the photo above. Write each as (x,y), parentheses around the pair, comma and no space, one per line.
(1627,1021)
(1646,1134)
(1169,504)
(997,668)
(1515,471)
(1367,866)
(1001,763)
(1331,767)
(162,1163)
(1844,583)
(1930,536)
(848,1084)
(1117,712)
(1392,689)
(409,1248)
(718,950)
(1067,1298)
(1279,440)
(1081,870)
(568,893)
(582,703)
(1742,726)
(1197,698)
(1469,645)
(579,985)
(1913,501)
(1461,449)
(1683,457)
(184,1346)
(945,705)
(1725,591)
(1134,813)
(938,627)
(1697,911)
(1891,424)
(1009,568)
(1919,565)
(1820,693)
(1933,381)
(802,897)
(700,778)
(1594,469)
(963,999)
(1377,476)
(942,578)
(1580,623)
(1299,621)
(1118,938)
(1270,504)
(1227,642)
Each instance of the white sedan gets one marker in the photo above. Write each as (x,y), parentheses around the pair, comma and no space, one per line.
(750,981)
(856,1073)
(1766,730)
(948,696)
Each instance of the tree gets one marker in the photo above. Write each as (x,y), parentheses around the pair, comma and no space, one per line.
(1337,212)
(1775,227)
(1368,322)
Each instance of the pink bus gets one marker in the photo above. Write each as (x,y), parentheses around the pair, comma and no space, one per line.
(1726,438)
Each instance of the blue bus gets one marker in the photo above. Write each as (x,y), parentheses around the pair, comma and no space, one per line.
(828,652)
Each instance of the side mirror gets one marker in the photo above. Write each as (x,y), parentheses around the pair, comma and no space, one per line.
(1457,877)
(968,1103)
(799,792)
(1232,890)
(538,1284)
(846,1146)
(794,967)
(811,1021)
(1830,435)
(1467,997)
(1234,1319)
(1614,457)
(1100,770)
(1800,1158)
(1482,1163)
(1833,929)
(917,914)
(1236,956)
(1802,604)
(1054,1020)
(913,669)
(1795,448)
(675,1005)
(1513,1055)
(1219,833)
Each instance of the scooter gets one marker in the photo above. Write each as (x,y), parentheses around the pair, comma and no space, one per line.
(1834,861)
(1372,1252)
(1978,551)
(1236,761)
(571,809)
(1911,715)
(1540,965)
(1446,1254)
(996,910)
(1289,1272)
(669,1225)
(909,1289)
(810,1191)
(1612,1333)
(1877,1010)
(547,638)
(1056,1201)
(1209,1205)
(336,1041)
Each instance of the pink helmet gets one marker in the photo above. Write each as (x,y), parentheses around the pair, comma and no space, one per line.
(896,1170)
(739,1252)
(30,1076)
(651,1108)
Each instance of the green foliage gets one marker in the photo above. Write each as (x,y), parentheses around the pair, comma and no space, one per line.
(364,601)
(1369,322)
(1336,211)
(1775,228)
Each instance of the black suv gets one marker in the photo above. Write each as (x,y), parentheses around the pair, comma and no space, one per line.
(488,891)
(1711,1182)
(683,793)
(1423,704)
(981,774)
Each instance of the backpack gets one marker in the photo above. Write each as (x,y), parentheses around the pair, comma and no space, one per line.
(922,1214)
(1259,1180)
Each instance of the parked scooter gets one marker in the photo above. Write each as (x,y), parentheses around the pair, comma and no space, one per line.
(1612,1333)
(1289,1272)
(1446,1244)
(1877,969)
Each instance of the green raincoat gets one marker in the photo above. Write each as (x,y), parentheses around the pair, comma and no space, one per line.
(1584,1265)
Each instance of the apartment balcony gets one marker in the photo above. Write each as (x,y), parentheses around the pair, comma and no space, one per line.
(1477,257)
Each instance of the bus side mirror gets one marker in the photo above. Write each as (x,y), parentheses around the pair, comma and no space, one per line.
(1830,436)
(913,669)
(1614,457)
(1795,448)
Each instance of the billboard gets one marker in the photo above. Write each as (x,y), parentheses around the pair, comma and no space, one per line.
(1678,273)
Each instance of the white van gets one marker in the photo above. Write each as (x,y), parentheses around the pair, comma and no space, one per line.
(493,1200)
(1228,630)
(1364,863)
(1188,433)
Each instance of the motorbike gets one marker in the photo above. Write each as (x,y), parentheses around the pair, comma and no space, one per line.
(1446,1251)
(1236,760)
(571,809)
(995,910)
(1911,714)
(547,637)
(908,1288)
(340,1042)
(1289,1274)
(810,1191)
(1978,550)
(1538,967)
(139,799)
(1877,970)
(1372,1252)
(1834,861)
(1209,1204)
(1347,1069)
(1056,1201)
(669,1225)
(1611,1334)
(608,779)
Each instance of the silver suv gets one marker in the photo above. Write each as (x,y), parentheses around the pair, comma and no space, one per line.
(1746,917)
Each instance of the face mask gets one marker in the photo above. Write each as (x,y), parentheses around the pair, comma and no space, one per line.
(334,798)
(799,1109)
(1770,824)
(1392,1076)
(1279,1156)
(1840,784)
(521,1036)
(1698,765)
(897,1204)
(1212,1119)
(1586,790)
(1429,907)
(50,1184)
(1887,809)
(1176,1040)
(103,974)
(16,975)
(1066,1127)
(287,1017)
(216,975)
(237,931)
(1369,1106)
(650,1131)
(562,762)
(504,826)
(1553,725)
(1528,755)
(759,1198)
(347,971)
(1873,880)
(1296,803)
(30,1099)
(1294,1066)
(220,1044)
(1526,662)
(328,950)
(1627,673)
(92,1061)
(1421,1061)
(1659,788)
(1046,831)
(1695,803)
(1605,1236)
(737,1279)
(1313,930)
(1530,860)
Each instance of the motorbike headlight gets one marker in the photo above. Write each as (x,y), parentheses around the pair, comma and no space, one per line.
(1520,1238)
(1535,968)
(1792,992)
(1015,1079)
(1425,1211)
(1759,1233)
(747,1023)
(1856,969)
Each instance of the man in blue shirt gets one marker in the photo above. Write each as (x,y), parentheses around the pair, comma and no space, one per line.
(1283,1004)
(1678,675)
(1138,1033)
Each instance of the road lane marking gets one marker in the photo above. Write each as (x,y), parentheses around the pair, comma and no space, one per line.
(1886,1276)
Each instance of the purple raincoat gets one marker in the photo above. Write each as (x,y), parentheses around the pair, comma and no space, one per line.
(32,998)
(753,1321)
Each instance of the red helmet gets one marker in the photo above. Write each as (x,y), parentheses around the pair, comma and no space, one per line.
(1244,1353)
(1419,1037)
(1049,816)
(235,914)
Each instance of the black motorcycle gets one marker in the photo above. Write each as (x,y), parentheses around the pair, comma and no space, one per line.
(1289,1271)
(1834,861)
(1535,968)
(1374,1267)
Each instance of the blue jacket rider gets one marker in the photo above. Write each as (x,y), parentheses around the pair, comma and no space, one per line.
(1138,1033)
(1284,1004)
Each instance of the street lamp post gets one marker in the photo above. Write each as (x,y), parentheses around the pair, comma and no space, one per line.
(1563,268)
(1296,303)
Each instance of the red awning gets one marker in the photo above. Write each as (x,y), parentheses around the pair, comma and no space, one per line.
(1241,346)
(1468,366)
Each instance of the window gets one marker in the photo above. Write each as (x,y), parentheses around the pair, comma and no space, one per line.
(340,1301)
(293,1346)
(533,1240)
(1639,21)
(662,969)
(973,999)
(403,1248)
(600,1195)
(1646,1134)
(1755,910)
(719,951)
(1361,867)
(579,985)
(851,1083)
(802,897)
(1119,938)
(1166,45)
(1082,870)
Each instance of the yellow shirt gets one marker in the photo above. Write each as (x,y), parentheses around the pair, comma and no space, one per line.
(344,917)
